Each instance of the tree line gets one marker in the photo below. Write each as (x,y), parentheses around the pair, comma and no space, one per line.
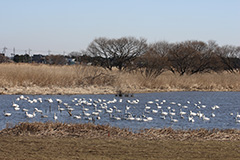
(187,57)
(133,54)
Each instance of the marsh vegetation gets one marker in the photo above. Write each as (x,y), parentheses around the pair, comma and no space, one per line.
(24,78)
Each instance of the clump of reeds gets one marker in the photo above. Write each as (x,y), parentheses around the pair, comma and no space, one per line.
(87,130)
(90,130)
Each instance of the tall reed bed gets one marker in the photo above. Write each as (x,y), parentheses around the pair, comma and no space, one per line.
(28,75)
(206,82)
(45,75)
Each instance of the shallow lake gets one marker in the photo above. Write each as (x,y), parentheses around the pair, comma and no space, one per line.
(185,110)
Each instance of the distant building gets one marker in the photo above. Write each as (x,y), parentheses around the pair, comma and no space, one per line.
(38,58)
(71,61)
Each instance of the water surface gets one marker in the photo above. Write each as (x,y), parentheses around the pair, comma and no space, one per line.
(172,102)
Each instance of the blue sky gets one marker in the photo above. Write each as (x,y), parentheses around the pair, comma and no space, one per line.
(70,25)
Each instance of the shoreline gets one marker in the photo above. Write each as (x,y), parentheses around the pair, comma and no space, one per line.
(37,90)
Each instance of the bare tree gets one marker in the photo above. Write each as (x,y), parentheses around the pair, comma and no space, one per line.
(204,57)
(229,56)
(151,64)
(192,57)
(181,57)
(117,52)
(154,62)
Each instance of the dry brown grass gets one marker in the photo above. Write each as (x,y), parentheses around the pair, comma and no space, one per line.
(89,141)
(41,77)
(45,75)
(205,82)
(30,147)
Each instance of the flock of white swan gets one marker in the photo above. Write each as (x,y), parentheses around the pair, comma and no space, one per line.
(114,109)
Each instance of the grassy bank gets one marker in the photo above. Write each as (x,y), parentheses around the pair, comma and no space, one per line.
(46,79)
(78,148)
(88,141)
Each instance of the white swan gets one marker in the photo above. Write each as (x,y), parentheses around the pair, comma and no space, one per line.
(15,105)
(40,100)
(182,113)
(50,100)
(213,115)
(149,118)
(185,106)
(162,117)
(43,116)
(164,113)
(59,101)
(217,107)
(7,114)
(192,113)
(34,100)
(172,113)
(150,102)
(199,114)
(238,115)
(116,118)
(55,116)
(109,111)
(154,111)
(174,120)
(86,114)
(206,118)
(95,113)
(147,107)
(118,111)
(138,119)
(16,108)
(237,120)
(30,115)
(190,119)
(25,110)
(98,117)
(77,116)
(60,109)
(38,110)
(159,107)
